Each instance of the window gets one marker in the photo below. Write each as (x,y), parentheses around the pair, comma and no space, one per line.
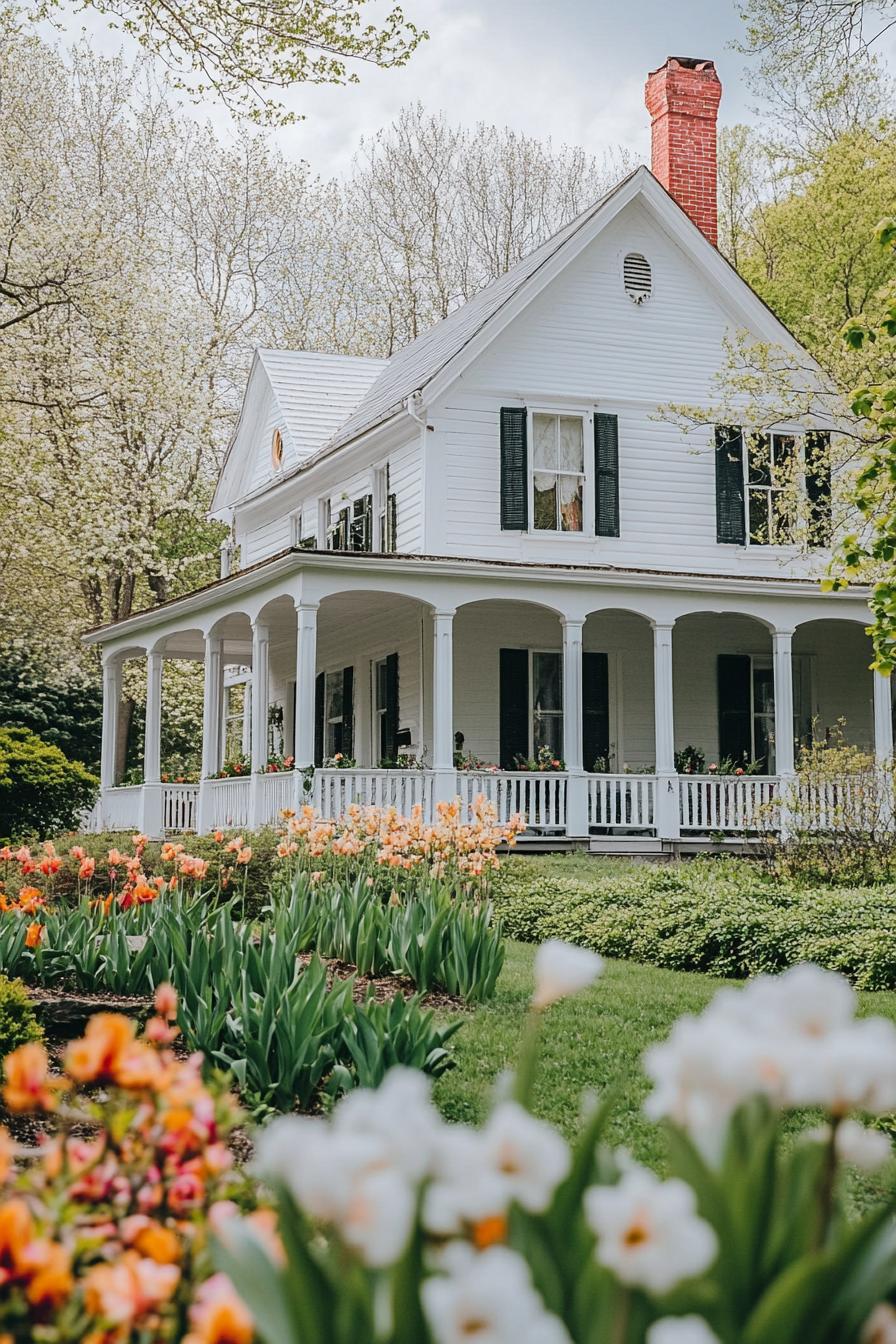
(361,526)
(334,712)
(385,709)
(772,460)
(387,517)
(236,715)
(277,450)
(558,474)
(547,703)
(338,529)
(746,704)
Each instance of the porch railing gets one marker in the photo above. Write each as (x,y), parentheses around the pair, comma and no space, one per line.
(231,802)
(724,803)
(179,805)
(334,791)
(539,798)
(275,792)
(122,807)
(621,802)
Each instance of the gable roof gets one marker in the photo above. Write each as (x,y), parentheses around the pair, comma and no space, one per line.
(415,365)
(441,354)
(314,393)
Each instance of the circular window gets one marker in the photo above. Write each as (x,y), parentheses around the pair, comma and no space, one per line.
(637,277)
(277,449)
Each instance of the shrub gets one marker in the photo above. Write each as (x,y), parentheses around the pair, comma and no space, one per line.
(722,917)
(41,792)
(18,1020)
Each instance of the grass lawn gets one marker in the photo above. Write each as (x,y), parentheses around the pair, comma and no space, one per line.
(594,1041)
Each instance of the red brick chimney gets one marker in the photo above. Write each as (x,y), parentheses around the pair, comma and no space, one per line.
(683,101)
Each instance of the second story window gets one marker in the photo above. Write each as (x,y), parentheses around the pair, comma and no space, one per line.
(772,461)
(772,489)
(558,472)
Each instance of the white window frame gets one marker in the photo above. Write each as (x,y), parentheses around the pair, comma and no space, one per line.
(329,674)
(556,713)
(376,714)
(799,435)
(587,418)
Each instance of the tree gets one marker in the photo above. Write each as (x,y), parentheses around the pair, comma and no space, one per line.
(244,53)
(63,709)
(870,552)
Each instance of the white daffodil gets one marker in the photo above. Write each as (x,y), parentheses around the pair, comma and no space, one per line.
(526,1154)
(400,1114)
(859,1146)
(465,1190)
(805,1000)
(318,1165)
(648,1231)
(562,969)
(377,1219)
(489,1299)
(680,1330)
(880,1327)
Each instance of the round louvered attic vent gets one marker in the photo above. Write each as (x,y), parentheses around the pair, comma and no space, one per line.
(637,277)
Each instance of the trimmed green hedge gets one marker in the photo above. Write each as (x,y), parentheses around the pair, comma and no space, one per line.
(722,917)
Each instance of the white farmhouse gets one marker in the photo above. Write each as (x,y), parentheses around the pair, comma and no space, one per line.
(492,553)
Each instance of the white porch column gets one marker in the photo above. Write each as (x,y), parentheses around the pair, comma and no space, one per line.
(152,822)
(576,783)
(667,808)
(212,723)
(782,666)
(782,671)
(883,719)
(306,678)
(260,677)
(111,697)
(444,776)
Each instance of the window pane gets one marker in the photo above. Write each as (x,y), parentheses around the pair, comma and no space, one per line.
(546,686)
(759,517)
(570,503)
(784,449)
(782,517)
(334,696)
(545,499)
(545,447)
(547,731)
(572,448)
(758,459)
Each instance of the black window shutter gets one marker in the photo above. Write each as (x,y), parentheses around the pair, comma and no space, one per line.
(389,741)
(348,711)
(730,519)
(514,706)
(606,474)
(595,709)
(818,486)
(392,522)
(735,737)
(514,470)
(319,719)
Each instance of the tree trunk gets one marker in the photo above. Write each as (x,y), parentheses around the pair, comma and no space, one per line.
(125,716)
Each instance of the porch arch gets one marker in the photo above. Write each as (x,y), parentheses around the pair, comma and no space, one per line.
(373,676)
(834,687)
(723,675)
(618,682)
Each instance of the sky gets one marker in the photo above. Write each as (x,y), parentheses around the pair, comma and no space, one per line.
(571,70)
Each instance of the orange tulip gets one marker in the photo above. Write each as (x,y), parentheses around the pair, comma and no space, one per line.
(125,1290)
(166,1001)
(49,1266)
(159,1244)
(28,1084)
(97,1054)
(87,868)
(34,936)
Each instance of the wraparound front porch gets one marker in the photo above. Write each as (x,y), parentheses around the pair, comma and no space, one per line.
(372,658)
